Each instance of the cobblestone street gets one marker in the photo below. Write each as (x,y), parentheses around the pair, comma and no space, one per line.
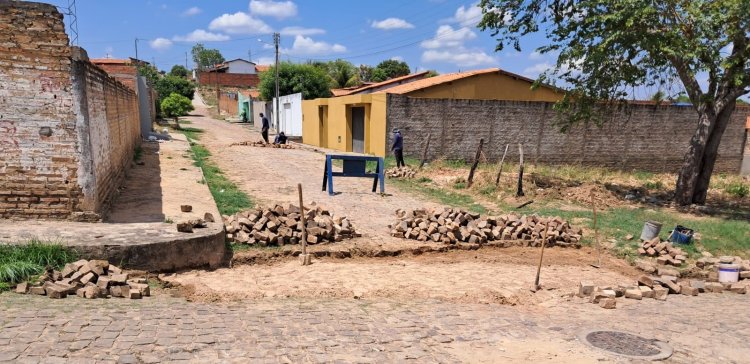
(160,328)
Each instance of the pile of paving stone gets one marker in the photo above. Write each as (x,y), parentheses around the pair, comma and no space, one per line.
(451,226)
(87,279)
(657,288)
(262,144)
(281,225)
(665,252)
(400,172)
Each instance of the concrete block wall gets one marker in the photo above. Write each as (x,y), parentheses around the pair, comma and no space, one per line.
(58,116)
(650,138)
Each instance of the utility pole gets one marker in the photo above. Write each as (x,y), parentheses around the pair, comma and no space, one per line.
(186,66)
(276,40)
(136,50)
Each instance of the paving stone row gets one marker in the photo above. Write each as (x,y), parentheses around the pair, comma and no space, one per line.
(38,330)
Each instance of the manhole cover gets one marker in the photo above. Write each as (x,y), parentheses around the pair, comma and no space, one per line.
(628,345)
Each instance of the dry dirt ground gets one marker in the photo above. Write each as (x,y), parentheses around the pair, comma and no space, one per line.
(489,275)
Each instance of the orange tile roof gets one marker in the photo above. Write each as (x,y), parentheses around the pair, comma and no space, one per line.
(109,61)
(262,67)
(386,82)
(440,79)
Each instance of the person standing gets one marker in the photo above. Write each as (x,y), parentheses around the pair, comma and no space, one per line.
(264,127)
(398,148)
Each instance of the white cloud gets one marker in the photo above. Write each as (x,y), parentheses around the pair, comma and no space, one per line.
(163,6)
(192,11)
(447,37)
(307,46)
(537,69)
(200,35)
(461,57)
(239,23)
(276,9)
(535,56)
(160,44)
(265,61)
(468,16)
(397,58)
(301,31)
(392,23)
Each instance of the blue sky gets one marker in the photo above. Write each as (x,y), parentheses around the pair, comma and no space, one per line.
(427,34)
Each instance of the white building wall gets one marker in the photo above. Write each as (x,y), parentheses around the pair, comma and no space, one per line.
(290,117)
(239,66)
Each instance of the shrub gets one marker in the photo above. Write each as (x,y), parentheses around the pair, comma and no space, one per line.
(176,105)
(738,189)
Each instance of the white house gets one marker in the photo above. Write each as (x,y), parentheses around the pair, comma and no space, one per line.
(290,118)
(240,66)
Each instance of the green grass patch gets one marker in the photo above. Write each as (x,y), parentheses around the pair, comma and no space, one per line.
(137,153)
(437,194)
(229,198)
(19,263)
(738,189)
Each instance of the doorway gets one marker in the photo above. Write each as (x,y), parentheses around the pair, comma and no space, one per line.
(358,129)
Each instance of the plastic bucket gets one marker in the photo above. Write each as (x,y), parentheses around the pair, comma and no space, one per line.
(651,230)
(681,235)
(729,273)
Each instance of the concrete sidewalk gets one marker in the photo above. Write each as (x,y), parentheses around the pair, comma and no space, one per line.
(140,231)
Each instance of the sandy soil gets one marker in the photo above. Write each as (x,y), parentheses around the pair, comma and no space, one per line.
(500,276)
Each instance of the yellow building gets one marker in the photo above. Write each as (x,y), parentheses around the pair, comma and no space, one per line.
(357,122)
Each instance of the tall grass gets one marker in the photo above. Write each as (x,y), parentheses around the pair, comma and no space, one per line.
(19,263)
(229,198)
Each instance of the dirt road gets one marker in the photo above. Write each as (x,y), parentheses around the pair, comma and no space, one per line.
(271,175)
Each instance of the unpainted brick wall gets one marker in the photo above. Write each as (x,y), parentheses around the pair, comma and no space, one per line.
(47,169)
(228,79)
(125,73)
(649,137)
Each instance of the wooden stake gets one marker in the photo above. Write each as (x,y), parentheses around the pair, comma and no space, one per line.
(541,256)
(476,163)
(596,234)
(519,192)
(304,258)
(500,170)
(424,151)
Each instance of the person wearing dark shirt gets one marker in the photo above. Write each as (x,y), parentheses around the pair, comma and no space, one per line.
(280,138)
(398,148)
(264,127)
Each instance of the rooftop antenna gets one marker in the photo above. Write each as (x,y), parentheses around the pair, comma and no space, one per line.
(73,22)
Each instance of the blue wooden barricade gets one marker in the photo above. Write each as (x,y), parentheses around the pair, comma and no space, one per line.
(354,166)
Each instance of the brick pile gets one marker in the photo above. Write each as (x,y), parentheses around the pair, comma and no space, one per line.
(87,279)
(282,225)
(665,252)
(451,226)
(400,172)
(261,144)
(657,288)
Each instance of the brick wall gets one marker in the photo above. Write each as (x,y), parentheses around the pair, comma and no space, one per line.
(652,138)
(228,79)
(125,73)
(54,159)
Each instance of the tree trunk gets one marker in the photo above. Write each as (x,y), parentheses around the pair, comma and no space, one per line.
(698,165)
(711,153)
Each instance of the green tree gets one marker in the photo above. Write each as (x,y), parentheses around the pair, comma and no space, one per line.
(606,48)
(150,72)
(393,68)
(378,75)
(205,58)
(343,74)
(365,73)
(170,84)
(311,81)
(179,71)
(176,105)
(682,98)
(658,97)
